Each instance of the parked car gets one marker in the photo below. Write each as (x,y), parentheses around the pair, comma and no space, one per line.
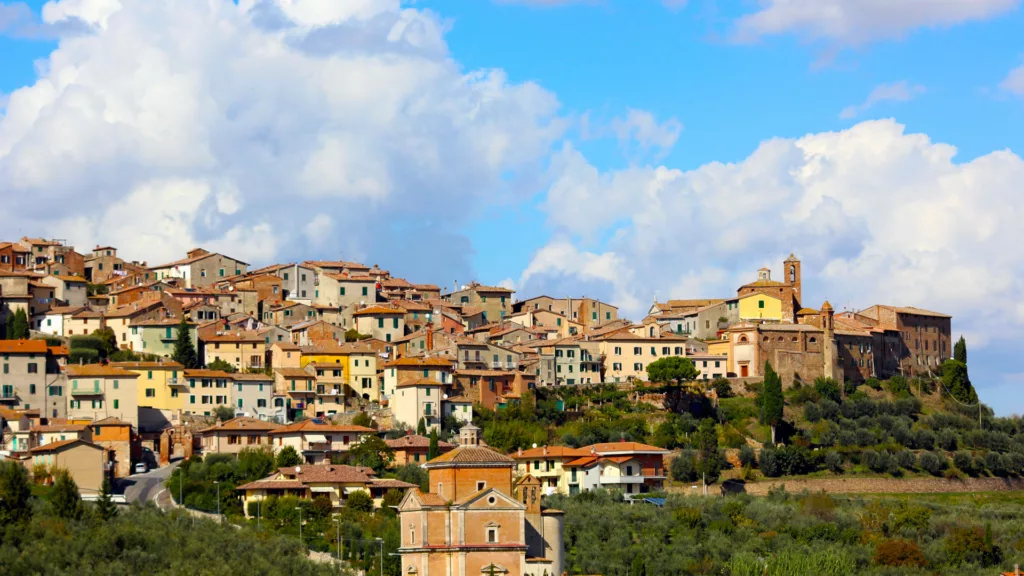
(141,468)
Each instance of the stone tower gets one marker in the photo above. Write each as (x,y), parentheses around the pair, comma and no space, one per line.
(828,341)
(791,268)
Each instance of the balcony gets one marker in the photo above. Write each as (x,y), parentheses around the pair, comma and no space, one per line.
(177,382)
(510,365)
(296,392)
(496,365)
(8,396)
(329,392)
(86,391)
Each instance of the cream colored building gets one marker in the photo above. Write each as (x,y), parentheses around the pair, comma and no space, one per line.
(97,392)
(626,355)
(381,322)
(547,464)
(242,349)
(86,462)
(316,442)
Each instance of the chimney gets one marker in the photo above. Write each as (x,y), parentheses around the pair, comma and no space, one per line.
(520,452)
(430,339)
(545,450)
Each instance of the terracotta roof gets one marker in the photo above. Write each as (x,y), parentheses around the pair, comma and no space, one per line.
(166,365)
(55,446)
(129,310)
(582,462)
(294,373)
(471,311)
(390,483)
(202,373)
(915,311)
(807,312)
(109,421)
(59,350)
(64,310)
(195,258)
(469,455)
(245,336)
(23,346)
(287,346)
(242,423)
(350,277)
(430,499)
(414,441)
(250,377)
(552,452)
(273,485)
(421,361)
(327,473)
(87,370)
(313,427)
(606,447)
(374,310)
(59,428)
(765,284)
(420,382)
(427,287)
(485,373)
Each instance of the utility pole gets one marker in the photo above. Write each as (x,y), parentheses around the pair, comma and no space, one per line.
(381,542)
(300,522)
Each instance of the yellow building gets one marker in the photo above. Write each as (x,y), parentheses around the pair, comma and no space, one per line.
(161,385)
(760,307)
(362,371)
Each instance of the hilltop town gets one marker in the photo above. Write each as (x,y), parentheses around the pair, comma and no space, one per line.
(109,364)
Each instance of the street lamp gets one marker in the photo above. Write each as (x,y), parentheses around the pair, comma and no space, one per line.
(300,522)
(337,522)
(259,507)
(381,542)
(217,484)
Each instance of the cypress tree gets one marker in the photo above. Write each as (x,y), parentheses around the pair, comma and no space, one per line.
(20,328)
(773,399)
(960,350)
(433,451)
(105,506)
(184,353)
(66,501)
(421,427)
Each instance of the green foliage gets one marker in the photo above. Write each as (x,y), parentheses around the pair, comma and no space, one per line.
(15,491)
(105,507)
(960,351)
(747,456)
(773,402)
(898,386)
(372,452)
(973,546)
(363,419)
(83,356)
(684,466)
(359,501)
(873,383)
(722,387)
(674,431)
(413,474)
(433,451)
(255,463)
(221,365)
(288,457)
(224,413)
(353,335)
(932,463)
(674,369)
(9,327)
(709,463)
(108,340)
(184,351)
(17,325)
(421,427)
(957,383)
(828,388)
(903,553)
(65,500)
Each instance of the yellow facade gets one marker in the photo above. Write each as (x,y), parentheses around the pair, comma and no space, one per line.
(760,307)
(323,359)
(161,386)
(363,375)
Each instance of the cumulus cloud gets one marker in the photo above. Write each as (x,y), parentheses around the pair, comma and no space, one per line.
(642,127)
(855,22)
(547,3)
(902,91)
(876,214)
(1014,82)
(269,129)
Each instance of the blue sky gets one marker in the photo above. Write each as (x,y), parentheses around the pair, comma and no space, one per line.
(689,146)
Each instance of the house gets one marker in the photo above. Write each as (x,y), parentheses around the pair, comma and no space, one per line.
(31,377)
(628,355)
(200,268)
(236,434)
(588,311)
(309,481)
(13,257)
(710,366)
(44,434)
(97,391)
(121,319)
(413,449)
(912,341)
(495,301)
(419,399)
(381,322)
(475,521)
(403,370)
(298,281)
(71,290)
(252,395)
(344,290)
(120,441)
(489,388)
(788,293)
(161,392)
(288,313)
(631,467)
(547,464)
(17,431)
(331,388)
(295,392)
(243,349)
(207,390)
(547,319)
(312,331)
(705,322)
(761,307)
(103,264)
(85,462)
(53,321)
(316,441)
(83,323)
(158,336)
(17,294)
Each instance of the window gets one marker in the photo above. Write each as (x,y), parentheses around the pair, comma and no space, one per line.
(638,351)
(492,535)
(365,290)
(638,367)
(480,485)
(618,350)
(380,322)
(31,388)
(33,368)
(116,403)
(617,366)
(150,392)
(760,303)
(221,272)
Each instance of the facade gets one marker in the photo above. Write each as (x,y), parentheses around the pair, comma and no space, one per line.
(475,521)
(97,392)
(405,370)
(337,482)
(207,390)
(252,394)
(32,378)
(627,355)
(236,434)
(589,312)
(413,449)
(381,322)
(495,301)
(158,336)
(298,281)
(71,290)
(419,399)
(760,308)
(200,268)
(710,366)
(120,441)
(242,349)
(85,461)
(789,293)
(161,391)
(631,467)
(548,465)
(295,392)
(345,290)
(316,441)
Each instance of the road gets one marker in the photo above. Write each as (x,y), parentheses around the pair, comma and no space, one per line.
(143,488)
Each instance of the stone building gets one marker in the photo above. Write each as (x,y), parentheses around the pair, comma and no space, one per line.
(788,292)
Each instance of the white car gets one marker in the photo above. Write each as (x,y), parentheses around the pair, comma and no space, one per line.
(141,468)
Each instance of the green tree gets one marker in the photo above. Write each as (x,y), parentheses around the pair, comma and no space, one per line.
(707,446)
(637,567)
(105,507)
(421,427)
(19,328)
(254,464)
(108,340)
(372,452)
(224,413)
(772,399)
(673,369)
(15,492)
(828,388)
(359,501)
(288,457)
(957,382)
(363,419)
(65,499)
(184,352)
(960,351)
(414,474)
(433,451)
(353,335)
(9,327)
(221,365)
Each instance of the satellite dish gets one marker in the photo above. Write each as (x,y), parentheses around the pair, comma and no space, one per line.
(445,396)
(297,469)
(534,444)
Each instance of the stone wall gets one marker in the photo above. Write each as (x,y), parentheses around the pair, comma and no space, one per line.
(880,485)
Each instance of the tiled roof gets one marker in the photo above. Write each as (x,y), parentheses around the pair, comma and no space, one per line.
(65,310)
(55,446)
(485,373)
(552,452)
(23,346)
(294,373)
(59,428)
(430,499)
(414,441)
(129,310)
(469,455)
(606,447)
(420,361)
(272,485)
(59,350)
(196,258)
(242,423)
(375,310)
(164,321)
(201,373)
(327,473)
(250,377)
(420,382)
(350,277)
(765,284)
(109,421)
(312,427)
(245,336)
(915,311)
(390,483)
(87,370)
(166,365)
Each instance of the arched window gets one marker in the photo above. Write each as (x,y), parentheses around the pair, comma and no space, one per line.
(765,339)
(743,339)
(813,340)
(780,339)
(792,274)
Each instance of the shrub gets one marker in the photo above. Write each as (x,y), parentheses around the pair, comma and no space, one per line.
(873,383)
(924,440)
(946,439)
(912,517)
(722,387)
(827,389)
(869,458)
(964,462)
(812,413)
(902,434)
(769,462)
(794,461)
(847,438)
(994,463)
(359,501)
(747,456)
(829,409)
(834,461)
(898,553)
(684,466)
(972,546)
(898,386)
(908,407)
(906,459)
(932,463)
(865,437)
(802,395)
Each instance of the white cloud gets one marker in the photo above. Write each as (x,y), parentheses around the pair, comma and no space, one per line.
(240,126)
(642,127)
(548,3)
(1014,81)
(901,91)
(854,22)
(877,216)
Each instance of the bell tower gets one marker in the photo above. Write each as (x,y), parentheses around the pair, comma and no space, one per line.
(792,271)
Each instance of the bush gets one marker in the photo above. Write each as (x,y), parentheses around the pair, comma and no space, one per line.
(747,456)
(995,464)
(684,466)
(834,461)
(932,463)
(972,546)
(924,440)
(873,383)
(827,389)
(902,434)
(946,440)
(812,413)
(898,553)
(802,395)
(865,437)
(869,458)
(847,438)
(898,386)
(906,459)
(769,462)
(359,501)
(964,462)
(722,387)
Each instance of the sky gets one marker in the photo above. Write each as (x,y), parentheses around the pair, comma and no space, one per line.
(624,150)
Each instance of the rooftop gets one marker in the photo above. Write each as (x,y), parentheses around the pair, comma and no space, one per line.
(471,455)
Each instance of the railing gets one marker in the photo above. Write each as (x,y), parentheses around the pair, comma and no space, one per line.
(8,396)
(510,365)
(496,365)
(86,390)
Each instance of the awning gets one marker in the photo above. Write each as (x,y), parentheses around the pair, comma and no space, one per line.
(316,438)
(327,489)
(351,489)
